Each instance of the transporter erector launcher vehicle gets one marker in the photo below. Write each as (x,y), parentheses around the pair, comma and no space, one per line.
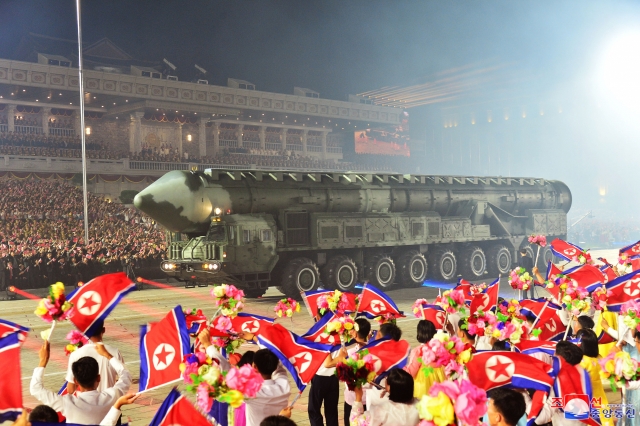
(297,231)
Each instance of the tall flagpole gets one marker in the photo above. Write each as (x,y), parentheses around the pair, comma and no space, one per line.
(82,131)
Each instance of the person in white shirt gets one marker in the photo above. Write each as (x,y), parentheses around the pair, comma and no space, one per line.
(108,375)
(398,409)
(361,336)
(273,396)
(88,406)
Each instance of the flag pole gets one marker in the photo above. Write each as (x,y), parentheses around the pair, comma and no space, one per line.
(159,386)
(82,131)
(539,315)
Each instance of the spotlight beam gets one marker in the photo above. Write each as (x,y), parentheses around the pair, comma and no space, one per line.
(23,293)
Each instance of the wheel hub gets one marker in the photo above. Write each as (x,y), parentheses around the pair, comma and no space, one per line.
(417,270)
(306,279)
(345,276)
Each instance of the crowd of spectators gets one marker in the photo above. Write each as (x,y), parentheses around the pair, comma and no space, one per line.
(591,233)
(37,144)
(42,237)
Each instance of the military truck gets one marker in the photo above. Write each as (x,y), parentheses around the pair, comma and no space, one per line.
(298,231)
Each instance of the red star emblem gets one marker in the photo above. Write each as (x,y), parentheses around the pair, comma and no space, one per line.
(500,369)
(88,303)
(162,355)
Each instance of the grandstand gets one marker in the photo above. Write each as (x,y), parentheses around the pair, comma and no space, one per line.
(141,122)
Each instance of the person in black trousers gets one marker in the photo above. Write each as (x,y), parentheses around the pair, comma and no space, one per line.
(527,263)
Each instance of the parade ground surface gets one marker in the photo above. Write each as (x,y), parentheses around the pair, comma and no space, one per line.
(151,304)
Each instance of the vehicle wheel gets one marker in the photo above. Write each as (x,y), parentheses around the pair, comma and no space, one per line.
(443,265)
(254,293)
(499,261)
(412,268)
(340,273)
(381,271)
(546,256)
(300,274)
(473,263)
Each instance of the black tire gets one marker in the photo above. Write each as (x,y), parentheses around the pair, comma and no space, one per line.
(300,274)
(340,273)
(381,271)
(499,261)
(412,268)
(254,293)
(473,263)
(443,265)
(546,255)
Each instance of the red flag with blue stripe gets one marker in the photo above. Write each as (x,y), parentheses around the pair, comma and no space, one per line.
(374,303)
(529,347)
(387,354)
(250,323)
(588,277)
(632,251)
(435,314)
(624,288)
(8,327)
(11,383)
(162,349)
(95,300)
(465,286)
(316,332)
(311,300)
(177,410)
(487,300)
(566,250)
(300,356)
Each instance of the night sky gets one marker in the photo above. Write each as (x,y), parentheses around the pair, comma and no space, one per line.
(543,52)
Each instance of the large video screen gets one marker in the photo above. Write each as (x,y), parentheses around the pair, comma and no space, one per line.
(393,140)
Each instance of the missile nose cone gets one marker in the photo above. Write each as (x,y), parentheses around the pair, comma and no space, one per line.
(178,201)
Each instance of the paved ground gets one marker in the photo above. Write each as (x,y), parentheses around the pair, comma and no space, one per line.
(151,304)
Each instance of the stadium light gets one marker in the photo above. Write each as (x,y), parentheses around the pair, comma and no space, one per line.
(11,293)
(620,67)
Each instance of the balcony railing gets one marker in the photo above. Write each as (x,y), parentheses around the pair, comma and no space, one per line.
(251,144)
(314,148)
(62,132)
(273,146)
(229,143)
(334,149)
(28,129)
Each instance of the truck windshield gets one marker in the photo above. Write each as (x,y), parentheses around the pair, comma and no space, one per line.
(216,233)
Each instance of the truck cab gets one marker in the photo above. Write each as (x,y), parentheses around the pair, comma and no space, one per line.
(235,248)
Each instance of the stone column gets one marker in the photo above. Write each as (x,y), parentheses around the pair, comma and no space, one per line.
(202,138)
(46,112)
(324,144)
(79,130)
(11,118)
(180,137)
(263,136)
(240,130)
(305,134)
(135,132)
(216,138)
(284,139)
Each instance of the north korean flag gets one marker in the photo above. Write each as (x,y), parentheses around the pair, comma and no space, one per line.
(631,251)
(373,303)
(95,300)
(8,327)
(588,277)
(465,286)
(535,306)
(435,314)
(162,349)
(11,384)
(387,354)
(494,369)
(196,322)
(551,326)
(487,300)
(624,288)
(250,323)
(529,347)
(300,356)
(608,272)
(316,332)
(565,250)
(311,300)
(177,410)
(552,270)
